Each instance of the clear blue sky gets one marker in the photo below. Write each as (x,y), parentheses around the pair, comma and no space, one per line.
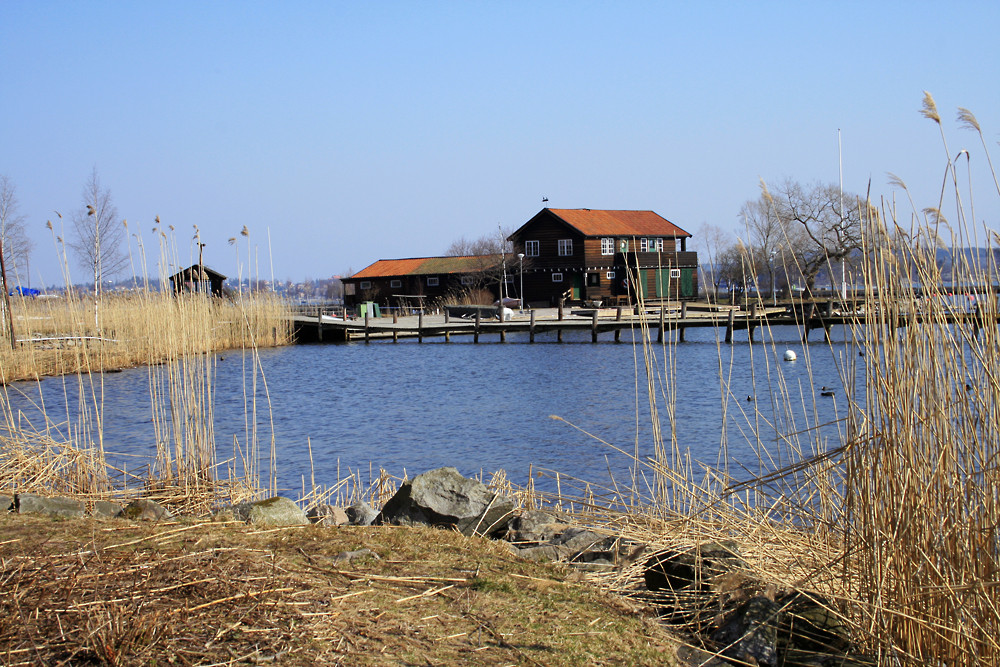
(353,131)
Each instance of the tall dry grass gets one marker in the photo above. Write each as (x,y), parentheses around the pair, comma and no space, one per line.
(174,337)
(894,523)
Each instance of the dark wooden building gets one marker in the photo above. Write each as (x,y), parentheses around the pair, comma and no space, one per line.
(421,280)
(198,278)
(593,255)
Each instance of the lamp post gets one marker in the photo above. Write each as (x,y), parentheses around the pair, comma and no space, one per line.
(520,259)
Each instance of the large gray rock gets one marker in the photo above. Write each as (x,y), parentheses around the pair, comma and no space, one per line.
(328,515)
(443,497)
(107,509)
(751,634)
(6,503)
(277,511)
(144,509)
(30,503)
(361,514)
(693,569)
(535,526)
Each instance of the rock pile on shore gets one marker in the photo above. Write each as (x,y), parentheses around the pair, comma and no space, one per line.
(708,591)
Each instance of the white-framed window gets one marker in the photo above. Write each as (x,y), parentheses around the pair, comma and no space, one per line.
(610,275)
(557,277)
(656,244)
(643,245)
(365,284)
(622,245)
(467,280)
(607,246)
(433,281)
(675,273)
(565,247)
(395,284)
(531,248)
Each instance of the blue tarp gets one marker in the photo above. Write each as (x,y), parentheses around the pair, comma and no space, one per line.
(24,291)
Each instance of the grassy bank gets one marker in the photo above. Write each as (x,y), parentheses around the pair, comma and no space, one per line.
(190,593)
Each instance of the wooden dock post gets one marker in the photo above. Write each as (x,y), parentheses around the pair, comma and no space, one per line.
(475,336)
(618,329)
(319,327)
(561,301)
(367,315)
(420,326)
(663,321)
(680,327)
(447,331)
(593,327)
(531,328)
(729,325)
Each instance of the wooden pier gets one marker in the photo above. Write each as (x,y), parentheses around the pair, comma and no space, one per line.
(609,322)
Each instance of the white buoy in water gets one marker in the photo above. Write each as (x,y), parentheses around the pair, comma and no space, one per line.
(790,355)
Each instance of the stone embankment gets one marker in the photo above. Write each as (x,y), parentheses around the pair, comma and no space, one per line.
(707,592)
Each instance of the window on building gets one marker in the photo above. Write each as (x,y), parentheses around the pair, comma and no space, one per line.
(557,277)
(467,280)
(395,284)
(593,280)
(531,248)
(365,284)
(565,247)
(657,244)
(607,246)
(610,275)
(643,245)
(622,245)
(433,281)
(675,273)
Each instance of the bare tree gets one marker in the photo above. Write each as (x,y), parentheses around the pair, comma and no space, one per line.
(769,244)
(98,233)
(14,242)
(494,256)
(818,228)
(488,244)
(712,243)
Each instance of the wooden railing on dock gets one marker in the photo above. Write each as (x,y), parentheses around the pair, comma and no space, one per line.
(675,318)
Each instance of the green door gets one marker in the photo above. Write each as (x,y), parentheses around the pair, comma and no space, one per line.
(577,286)
(688,289)
(662,283)
(643,286)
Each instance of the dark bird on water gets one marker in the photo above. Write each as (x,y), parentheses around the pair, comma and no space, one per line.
(749,398)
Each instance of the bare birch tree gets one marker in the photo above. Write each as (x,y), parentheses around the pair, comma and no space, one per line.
(98,234)
(14,241)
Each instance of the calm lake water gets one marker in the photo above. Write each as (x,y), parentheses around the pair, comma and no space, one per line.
(410,407)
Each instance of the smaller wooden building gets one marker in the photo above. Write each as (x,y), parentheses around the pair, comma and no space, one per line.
(422,280)
(198,278)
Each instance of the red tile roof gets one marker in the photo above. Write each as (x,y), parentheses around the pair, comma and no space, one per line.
(597,222)
(384,268)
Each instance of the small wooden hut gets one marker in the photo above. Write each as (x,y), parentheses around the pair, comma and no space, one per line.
(198,278)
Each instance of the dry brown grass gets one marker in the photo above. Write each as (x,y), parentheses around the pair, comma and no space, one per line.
(114,593)
(60,336)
